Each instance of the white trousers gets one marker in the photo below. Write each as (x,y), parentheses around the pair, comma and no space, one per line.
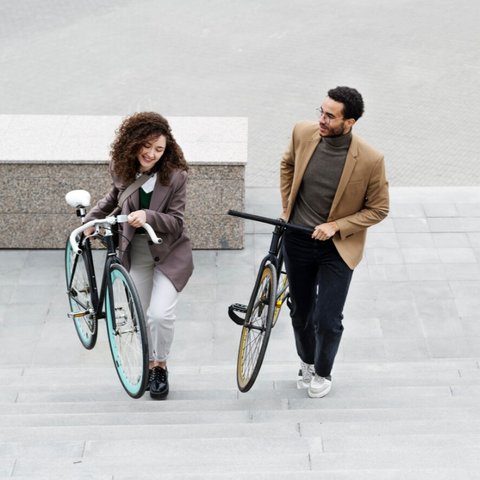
(158,296)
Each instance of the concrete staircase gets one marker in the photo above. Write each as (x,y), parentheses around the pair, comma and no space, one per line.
(405,403)
(381,421)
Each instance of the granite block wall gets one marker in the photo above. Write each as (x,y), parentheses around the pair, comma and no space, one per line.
(34,214)
(33,211)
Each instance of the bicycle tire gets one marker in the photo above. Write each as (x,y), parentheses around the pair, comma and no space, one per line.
(79,293)
(127,333)
(256,328)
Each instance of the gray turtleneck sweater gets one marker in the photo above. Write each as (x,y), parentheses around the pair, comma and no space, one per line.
(320,181)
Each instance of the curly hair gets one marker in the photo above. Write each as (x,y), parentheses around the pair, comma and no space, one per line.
(134,132)
(353,106)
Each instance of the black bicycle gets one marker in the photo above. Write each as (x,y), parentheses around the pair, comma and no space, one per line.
(117,299)
(269,293)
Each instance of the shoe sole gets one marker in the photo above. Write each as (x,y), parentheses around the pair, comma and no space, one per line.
(319,394)
(159,396)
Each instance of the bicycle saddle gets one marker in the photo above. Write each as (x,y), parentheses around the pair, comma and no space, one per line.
(78,198)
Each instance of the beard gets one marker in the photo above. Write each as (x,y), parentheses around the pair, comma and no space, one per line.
(335,131)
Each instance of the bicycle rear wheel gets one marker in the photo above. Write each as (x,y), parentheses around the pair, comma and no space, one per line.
(127,333)
(256,328)
(79,296)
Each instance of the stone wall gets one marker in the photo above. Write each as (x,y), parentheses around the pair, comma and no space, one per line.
(44,157)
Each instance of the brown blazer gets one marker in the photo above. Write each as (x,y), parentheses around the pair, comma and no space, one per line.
(361,199)
(165,215)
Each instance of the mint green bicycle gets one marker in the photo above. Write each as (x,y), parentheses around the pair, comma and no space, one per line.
(116,300)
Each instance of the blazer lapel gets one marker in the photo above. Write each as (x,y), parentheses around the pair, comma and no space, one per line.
(158,195)
(350,162)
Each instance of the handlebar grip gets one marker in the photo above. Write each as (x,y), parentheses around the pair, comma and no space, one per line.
(153,235)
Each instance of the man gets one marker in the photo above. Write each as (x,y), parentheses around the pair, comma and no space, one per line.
(334,182)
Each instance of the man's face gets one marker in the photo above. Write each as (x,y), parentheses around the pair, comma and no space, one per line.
(331,120)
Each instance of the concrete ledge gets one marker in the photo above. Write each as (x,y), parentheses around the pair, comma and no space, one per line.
(42,157)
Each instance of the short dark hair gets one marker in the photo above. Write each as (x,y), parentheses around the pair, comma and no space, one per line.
(352,101)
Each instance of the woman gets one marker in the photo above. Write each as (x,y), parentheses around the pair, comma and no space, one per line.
(144,144)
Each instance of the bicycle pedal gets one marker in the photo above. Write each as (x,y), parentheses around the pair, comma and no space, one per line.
(77,314)
(237,307)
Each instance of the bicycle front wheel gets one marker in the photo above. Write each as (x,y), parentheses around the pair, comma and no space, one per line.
(126,330)
(256,328)
(79,296)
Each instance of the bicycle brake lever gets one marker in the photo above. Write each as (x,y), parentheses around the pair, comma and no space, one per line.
(122,218)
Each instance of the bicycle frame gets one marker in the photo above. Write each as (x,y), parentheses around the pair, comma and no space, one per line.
(274,255)
(87,258)
(98,301)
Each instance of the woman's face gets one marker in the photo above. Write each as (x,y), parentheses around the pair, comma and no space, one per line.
(151,153)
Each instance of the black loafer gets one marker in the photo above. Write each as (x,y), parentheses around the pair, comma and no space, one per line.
(159,384)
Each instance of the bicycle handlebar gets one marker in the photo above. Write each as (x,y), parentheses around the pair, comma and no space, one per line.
(271,221)
(108,221)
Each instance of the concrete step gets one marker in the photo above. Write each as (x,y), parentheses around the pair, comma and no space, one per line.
(413,420)
(368,474)
(341,397)
(157,461)
(374,428)
(181,460)
(281,377)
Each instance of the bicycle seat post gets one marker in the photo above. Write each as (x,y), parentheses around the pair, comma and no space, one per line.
(81,211)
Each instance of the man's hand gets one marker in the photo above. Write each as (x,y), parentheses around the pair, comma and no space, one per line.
(137,218)
(325,231)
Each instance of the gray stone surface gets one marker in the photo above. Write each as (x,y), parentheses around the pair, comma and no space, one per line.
(270,61)
(406,394)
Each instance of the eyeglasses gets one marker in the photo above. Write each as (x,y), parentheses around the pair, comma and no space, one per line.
(328,116)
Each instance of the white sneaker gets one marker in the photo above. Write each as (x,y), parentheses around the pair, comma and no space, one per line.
(305,375)
(319,387)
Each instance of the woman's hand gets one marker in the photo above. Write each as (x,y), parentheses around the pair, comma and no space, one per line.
(137,218)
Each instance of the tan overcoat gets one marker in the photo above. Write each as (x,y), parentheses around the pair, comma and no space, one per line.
(362,198)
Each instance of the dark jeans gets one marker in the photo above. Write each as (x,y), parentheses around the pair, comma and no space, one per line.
(319,280)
